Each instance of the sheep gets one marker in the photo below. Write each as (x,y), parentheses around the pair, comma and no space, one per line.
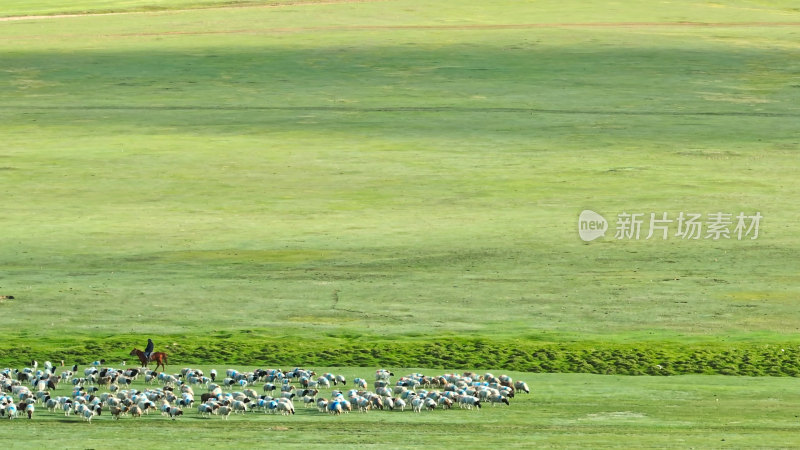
(11,411)
(362,403)
(206,409)
(376,402)
(498,398)
(88,414)
(335,407)
(468,401)
(324,382)
(430,404)
(322,405)
(135,411)
(250,393)
(145,406)
(416,404)
(186,400)
(224,412)
(174,412)
(383,374)
(29,410)
(384,391)
(286,408)
(116,411)
(51,404)
(240,406)
(522,386)
(360,382)
(308,400)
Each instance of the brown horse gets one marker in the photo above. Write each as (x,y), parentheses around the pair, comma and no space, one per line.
(159,357)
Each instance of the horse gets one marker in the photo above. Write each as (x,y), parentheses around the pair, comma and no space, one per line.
(159,357)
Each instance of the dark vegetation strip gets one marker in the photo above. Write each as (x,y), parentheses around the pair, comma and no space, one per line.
(259,349)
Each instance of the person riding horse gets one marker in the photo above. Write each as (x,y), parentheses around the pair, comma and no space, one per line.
(149,349)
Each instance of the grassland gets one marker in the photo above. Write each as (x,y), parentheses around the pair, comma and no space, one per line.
(385,169)
(331,178)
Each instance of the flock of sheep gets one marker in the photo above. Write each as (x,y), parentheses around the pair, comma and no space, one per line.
(99,390)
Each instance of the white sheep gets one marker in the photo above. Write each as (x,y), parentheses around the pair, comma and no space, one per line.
(498,398)
(468,401)
(88,414)
(240,406)
(11,411)
(285,408)
(224,412)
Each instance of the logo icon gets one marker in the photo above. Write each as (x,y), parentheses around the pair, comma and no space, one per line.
(591,225)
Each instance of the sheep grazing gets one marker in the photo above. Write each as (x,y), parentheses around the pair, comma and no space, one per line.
(335,407)
(29,410)
(498,398)
(324,382)
(285,408)
(522,386)
(383,374)
(240,406)
(376,402)
(416,404)
(360,382)
(468,401)
(135,411)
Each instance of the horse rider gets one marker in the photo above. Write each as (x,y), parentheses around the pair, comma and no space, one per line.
(148,350)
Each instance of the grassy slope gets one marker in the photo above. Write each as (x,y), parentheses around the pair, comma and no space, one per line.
(287,171)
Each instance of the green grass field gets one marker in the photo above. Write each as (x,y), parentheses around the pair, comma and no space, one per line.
(321,176)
